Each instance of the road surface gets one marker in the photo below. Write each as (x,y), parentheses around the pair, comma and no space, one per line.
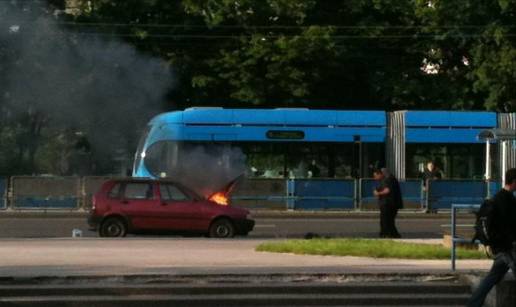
(266,227)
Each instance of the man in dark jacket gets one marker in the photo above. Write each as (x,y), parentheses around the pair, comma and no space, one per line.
(389,200)
(503,239)
(431,172)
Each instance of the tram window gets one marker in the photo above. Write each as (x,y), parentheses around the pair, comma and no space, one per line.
(308,160)
(373,157)
(299,160)
(161,158)
(264,160)
(456,161)
(343,160)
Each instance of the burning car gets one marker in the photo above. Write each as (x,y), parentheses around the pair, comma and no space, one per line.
(144,205)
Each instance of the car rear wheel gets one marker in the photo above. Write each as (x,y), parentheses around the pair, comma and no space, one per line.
(222,228)
(113,227)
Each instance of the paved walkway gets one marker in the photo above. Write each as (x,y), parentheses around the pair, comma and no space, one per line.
(179,256)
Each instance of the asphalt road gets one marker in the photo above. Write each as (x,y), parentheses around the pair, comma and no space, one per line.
(279,227)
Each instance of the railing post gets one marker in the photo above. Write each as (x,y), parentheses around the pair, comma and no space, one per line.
(488,193)
(291,189)
(427,196)
(454,239)
(422,201)
(80,194)
(453,225)
(358,194)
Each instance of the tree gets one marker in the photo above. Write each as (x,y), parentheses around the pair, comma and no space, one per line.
(494,57)
(474,47)
(97,71)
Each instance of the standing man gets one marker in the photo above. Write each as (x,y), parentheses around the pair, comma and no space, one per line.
(431,172)
(389,200)
(503,239)
(313,170)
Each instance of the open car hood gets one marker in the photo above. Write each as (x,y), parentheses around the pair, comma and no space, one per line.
(227,189)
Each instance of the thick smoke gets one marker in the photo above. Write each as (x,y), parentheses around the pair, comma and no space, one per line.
(206,169)
(103,88)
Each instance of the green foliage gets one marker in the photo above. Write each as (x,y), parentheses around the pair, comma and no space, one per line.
(249,12)
(481,34)
(265,53)
(366,54)
(366,248)
(332,54)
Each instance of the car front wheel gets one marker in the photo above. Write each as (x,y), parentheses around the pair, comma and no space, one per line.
(113,227)
(222,228)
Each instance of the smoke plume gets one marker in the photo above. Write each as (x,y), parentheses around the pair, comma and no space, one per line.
(208,171)
(103,88)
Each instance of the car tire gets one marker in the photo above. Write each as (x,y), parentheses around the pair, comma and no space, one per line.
(222,228)
(113,227)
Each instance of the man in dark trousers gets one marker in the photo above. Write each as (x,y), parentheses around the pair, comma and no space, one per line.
(389,200)
(503,239)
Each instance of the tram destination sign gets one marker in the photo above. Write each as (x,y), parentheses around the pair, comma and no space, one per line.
(286,134)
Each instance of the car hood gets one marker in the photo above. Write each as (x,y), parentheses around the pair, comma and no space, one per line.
(228,188)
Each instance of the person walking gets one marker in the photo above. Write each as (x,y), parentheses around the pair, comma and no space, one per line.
(390,201)
(503,239)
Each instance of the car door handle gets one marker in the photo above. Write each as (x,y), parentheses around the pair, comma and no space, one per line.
(125,202)
(164,204)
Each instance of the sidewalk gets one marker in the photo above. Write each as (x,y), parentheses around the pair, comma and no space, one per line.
(26,258)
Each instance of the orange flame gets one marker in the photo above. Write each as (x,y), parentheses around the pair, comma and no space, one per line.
(220,198)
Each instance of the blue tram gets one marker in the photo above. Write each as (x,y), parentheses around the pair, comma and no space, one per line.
(304,143)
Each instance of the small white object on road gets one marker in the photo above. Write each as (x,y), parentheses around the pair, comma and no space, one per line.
(76,233)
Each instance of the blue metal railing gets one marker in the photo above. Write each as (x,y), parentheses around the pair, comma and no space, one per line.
(45,203)
(324,194)
(454,238)
(289,194)
(443,193)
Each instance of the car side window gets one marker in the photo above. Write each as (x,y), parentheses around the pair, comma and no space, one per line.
(115,191)
(139,190)
(170,192)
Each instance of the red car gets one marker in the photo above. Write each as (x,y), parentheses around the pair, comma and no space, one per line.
(139,205)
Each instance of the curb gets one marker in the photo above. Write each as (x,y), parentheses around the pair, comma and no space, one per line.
(265,214)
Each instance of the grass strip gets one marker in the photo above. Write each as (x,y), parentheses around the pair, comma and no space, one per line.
(367,248)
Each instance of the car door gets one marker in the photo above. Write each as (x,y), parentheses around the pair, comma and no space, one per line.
(184,213)
(140,203)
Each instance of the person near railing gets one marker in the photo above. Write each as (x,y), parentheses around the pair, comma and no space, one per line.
(389,197)
(503,239)
(431,172)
